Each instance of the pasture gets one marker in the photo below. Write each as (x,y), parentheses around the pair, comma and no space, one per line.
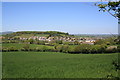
(57,65)
(21,45)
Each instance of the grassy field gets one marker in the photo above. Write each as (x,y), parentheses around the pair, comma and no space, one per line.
(19,46)
(57,65)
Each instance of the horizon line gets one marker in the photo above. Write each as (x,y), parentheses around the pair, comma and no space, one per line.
(62,31)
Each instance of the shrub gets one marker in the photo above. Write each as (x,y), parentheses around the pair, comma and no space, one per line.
(34,49)
(4,49)
(41,42)
(77,49)
(58,41)
(98,48)
(108,41)
(111,50)
(76,43)
(71,50)
(31,41)
(65,48)
(66,43)
(118,48)
(26,47)
(58,48)
(12,49)
(86,48)
(83,48)
(93,50)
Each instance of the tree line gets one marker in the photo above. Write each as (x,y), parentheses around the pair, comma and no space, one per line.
(83,48)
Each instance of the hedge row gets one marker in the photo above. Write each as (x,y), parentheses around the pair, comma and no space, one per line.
(84,48)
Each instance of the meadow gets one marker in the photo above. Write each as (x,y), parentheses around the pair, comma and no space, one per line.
(21,45)
(57,65)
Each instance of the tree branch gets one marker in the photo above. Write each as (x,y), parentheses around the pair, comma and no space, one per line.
(111,13)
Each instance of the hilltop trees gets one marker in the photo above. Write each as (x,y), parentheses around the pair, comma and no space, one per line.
(40,32)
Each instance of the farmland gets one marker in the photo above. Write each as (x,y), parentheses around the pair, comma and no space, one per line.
(34,46)
(57,65)
(54,41)
(52,54)
(20,46)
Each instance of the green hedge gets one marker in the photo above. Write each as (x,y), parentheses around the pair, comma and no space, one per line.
(83,48)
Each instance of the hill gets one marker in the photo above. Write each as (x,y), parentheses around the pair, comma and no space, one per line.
(7,32)
(36,33)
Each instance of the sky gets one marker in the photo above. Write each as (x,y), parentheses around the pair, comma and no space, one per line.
(71,17)
(55,0)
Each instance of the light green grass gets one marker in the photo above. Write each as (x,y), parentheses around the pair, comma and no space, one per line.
(57,65)
(20,46)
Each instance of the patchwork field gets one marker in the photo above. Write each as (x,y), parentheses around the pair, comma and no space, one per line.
(57,65)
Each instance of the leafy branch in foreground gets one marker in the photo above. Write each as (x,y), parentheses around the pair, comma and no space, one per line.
(113,8)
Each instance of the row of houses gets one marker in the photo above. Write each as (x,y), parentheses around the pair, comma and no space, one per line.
(67,39)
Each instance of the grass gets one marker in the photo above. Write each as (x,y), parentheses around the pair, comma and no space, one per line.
(57,65)
(20,46)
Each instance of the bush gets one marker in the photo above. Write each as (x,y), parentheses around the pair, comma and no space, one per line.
(5,49)
(41,42)
(86,48)
(52,44)
(12,49)
(108,41)
(93,50)
(111,50)
(58,41)
(65,48)
(76,43)
(83,48)
(118,48)
(26,47)
(100,48)
(58,48)
(71,50)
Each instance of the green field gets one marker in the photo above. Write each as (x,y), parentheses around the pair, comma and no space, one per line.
(57,65)
(20,46)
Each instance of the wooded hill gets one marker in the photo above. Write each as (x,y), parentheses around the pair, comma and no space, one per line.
(41,32)
(37,33)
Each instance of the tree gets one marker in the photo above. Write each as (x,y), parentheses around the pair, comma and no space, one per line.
(76,43)
(31,41)
(113,8)
(65,48)
(58,48)
(26,47)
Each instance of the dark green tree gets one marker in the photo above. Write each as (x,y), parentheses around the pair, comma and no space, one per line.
(26,47)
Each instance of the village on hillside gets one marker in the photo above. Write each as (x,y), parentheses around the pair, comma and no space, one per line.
(49,37)
(66,39)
